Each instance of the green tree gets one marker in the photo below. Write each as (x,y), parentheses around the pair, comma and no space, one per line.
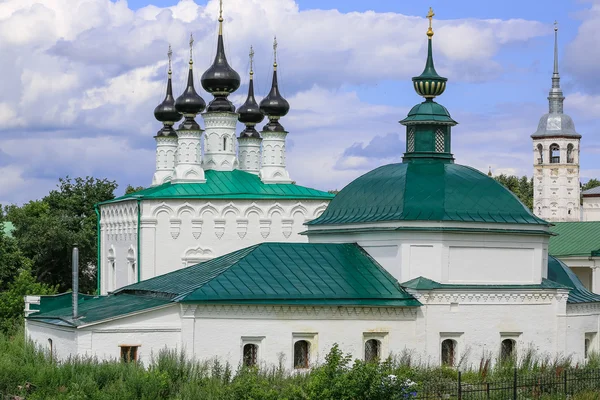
(12,300)
(47,229)
(592,183)
(521,187)
(131,189)
(11,258)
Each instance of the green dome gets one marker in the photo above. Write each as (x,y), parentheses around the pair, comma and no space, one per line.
(428,111)
(426,191)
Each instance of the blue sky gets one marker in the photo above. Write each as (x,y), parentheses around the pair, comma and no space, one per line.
(82,79)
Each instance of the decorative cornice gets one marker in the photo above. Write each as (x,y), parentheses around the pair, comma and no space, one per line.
(302,312)
(435,297)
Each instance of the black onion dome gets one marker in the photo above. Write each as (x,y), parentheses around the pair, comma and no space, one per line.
(166,111)
(274,105)
(249,112)
(190,102)
(220,78)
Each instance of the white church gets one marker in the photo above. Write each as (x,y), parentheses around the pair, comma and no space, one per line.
(224,256)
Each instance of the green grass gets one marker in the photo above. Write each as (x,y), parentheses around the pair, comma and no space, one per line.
(28,372)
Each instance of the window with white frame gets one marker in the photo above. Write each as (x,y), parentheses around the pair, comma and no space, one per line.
(304,346)
(449,343)
(589,344)
(251,346)
(509,345)
(111,271)
(131,261)
(374,345)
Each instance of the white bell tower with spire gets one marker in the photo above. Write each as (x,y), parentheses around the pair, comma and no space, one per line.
(556,191)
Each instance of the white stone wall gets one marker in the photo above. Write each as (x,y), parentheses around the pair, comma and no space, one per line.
(118,245)
(478,321)
(181,233)
(220,141)
(591,209)
(449,257)
(556,185)
(166,151)
(587,270)
(273,166)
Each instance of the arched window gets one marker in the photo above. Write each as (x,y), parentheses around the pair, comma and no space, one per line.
(448,352)
(554,153)
(507,349)
(51,349)
(225,143)
(250,355)
(372,350)
(540,150)
(570,153)
(301,351)
(586,347)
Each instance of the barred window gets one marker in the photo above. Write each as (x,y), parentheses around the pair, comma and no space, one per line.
(301,352)
(507,349)
(250,355)
(410,141)
(439,141)
(372,350)
(129,353)
(448,352)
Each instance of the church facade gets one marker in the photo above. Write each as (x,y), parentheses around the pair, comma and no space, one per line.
(240,264)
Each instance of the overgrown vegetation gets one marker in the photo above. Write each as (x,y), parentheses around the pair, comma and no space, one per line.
(28,373)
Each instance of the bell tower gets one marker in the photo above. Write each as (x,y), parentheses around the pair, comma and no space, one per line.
(556,191)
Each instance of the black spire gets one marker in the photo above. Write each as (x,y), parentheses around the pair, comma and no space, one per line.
(220,79)
(249,113)
(165,112)
(274,106)
(190,103)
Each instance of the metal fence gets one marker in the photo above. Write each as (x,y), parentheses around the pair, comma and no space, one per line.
(559,382)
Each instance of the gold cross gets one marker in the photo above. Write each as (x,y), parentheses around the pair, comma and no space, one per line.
(191,45)
(430,16)
(220,10)
(170,54)
(555,26)
(251,59)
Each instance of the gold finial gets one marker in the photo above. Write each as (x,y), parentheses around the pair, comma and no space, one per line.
(275,52)
(220,17)
(251,60)
(430,16)
(170,55)
(555,26)
(191,48)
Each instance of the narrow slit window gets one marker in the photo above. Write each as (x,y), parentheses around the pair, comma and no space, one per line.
(224,143)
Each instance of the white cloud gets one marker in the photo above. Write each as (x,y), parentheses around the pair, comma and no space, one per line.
(81,78)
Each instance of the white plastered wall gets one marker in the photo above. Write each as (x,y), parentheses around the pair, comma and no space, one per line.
(451,257)
(591,208)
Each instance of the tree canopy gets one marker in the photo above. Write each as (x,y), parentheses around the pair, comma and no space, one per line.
(47,229)
(521,187)
(592,183)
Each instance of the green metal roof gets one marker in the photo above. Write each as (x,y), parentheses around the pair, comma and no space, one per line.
(559,272)
(575,239)
(422,283)
(234,184)
(428,111)
(426,191)
(93,308)
(283,273)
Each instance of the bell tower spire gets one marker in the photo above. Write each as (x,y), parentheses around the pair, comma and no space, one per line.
(556,157)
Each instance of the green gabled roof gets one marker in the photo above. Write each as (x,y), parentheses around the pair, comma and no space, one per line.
(575,239)
(422,283)
(426,191)
(234,184)
(93,308)
(559,272)
(283,273)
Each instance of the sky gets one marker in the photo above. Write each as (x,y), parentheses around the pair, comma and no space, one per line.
(81,78)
